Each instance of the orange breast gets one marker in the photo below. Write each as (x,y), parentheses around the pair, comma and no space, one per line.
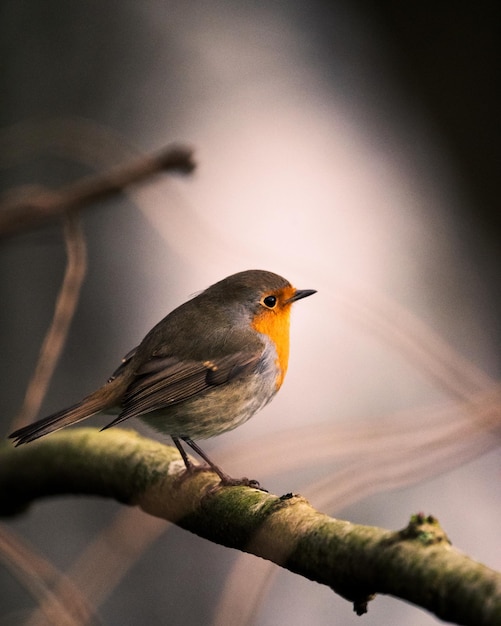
(276,323)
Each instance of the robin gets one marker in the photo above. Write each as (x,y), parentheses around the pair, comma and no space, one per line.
(204,369)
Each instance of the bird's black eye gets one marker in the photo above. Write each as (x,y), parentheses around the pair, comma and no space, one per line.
(270,301)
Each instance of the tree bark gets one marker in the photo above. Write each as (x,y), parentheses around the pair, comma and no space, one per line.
(417,564)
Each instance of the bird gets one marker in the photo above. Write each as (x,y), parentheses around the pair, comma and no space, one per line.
(204,369)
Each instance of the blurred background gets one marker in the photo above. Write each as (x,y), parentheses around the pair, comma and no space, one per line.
(350,146)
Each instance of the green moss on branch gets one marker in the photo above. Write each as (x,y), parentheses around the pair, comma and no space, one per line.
(417,564)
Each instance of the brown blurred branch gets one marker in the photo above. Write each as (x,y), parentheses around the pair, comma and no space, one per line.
(101,566)
(66,304)
(66,607)
(416,564)
(32,207)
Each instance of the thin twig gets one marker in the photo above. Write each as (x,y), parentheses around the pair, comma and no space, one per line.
(64,311)
(25,212)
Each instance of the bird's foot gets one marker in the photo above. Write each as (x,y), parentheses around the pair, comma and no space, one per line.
(227,481)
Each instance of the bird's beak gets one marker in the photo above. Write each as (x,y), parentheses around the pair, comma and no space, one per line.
(301,293)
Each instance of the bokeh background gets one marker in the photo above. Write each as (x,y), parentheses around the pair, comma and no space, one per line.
(352,147)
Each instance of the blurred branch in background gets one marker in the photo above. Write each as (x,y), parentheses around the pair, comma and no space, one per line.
(65,307)
(116,548)
(32,207)
(64,604)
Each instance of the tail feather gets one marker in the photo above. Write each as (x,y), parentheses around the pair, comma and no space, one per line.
(101,400)
(54,422)
(106,397)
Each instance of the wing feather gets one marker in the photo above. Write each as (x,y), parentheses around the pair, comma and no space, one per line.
(164,381)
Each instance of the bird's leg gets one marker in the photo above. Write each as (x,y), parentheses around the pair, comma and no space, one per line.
(225,479)
(189,465)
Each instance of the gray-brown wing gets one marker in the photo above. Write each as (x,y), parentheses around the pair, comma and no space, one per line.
(164,381)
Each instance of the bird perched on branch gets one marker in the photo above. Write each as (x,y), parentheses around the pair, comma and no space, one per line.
(206,368)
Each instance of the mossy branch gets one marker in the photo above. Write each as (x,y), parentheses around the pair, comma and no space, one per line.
(416,564)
